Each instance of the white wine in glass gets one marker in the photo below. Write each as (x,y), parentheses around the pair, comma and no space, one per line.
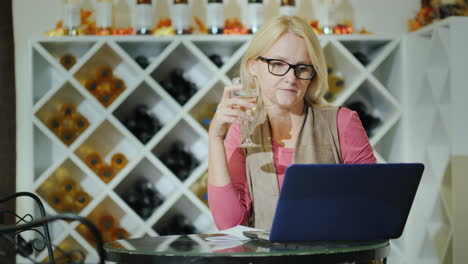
(247,126)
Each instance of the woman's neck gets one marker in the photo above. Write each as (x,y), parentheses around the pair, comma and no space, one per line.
(284,125)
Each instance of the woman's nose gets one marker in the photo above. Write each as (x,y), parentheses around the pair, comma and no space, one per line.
(290,75)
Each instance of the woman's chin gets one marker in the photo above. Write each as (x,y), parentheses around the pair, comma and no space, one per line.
(283,103)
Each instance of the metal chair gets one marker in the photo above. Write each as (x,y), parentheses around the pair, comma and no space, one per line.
(15,238)
(15,244)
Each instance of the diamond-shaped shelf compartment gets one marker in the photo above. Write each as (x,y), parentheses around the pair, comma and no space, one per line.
(386,146)
(68,53)
(107,151)
(183,150)
(205,109)
(46,77)
(68,114)
(69,248)
(199,188)
(112,221)
(144,53)
(182,80)
(342,64)
(144,112)
(69,189)
(377,111)
(46,152)
(219,52)
(365,51)
(389,72)
(106,75)
(145,189)
(184,217)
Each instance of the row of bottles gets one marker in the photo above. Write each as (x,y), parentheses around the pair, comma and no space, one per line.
(178,86)
(143,198)
(105,171)
(142,123)
(105,86)
(63,192)
(178,224)
(68,124)
(143,11)
(107,224)
(179,161)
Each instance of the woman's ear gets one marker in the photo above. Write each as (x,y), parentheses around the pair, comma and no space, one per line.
(252,66)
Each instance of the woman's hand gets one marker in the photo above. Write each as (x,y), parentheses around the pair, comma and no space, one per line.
(229,111)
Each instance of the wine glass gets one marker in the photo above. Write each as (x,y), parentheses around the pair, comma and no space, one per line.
(247,126)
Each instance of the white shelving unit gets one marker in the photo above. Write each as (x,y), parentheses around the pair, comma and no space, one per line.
(378,84)
(435,82)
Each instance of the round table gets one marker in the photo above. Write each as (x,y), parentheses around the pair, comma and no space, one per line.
(196,249)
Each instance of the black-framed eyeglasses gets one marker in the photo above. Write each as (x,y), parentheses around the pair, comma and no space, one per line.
(280,68)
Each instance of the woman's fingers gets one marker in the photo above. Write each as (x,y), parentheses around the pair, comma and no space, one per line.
(236,113)
(236,102)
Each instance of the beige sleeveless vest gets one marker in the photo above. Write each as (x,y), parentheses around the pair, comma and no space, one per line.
(317,142)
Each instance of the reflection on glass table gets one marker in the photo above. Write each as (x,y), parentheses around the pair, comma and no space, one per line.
(196,249)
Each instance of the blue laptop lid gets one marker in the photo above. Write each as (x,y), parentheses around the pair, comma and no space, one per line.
(337,202)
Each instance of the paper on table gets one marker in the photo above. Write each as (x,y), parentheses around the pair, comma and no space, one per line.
(232,234)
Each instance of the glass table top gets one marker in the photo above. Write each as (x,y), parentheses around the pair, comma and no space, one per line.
(197,245)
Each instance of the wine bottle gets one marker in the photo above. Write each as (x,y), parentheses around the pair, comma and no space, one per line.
(67,110)
(181,19)
(215,16)
(68,186)
(142,61)
(68,136)
(217,60)
(94,161)
(61,174)
(67,60)
(92,86)
(118,161)
(119,233)
(143,17)
(106,173)
(104,17)
(55,125)
(104,73)
(61,202)
(288,8)
(106,222)
(327,16)
(255,15)
(106,99)
(117,86)
(81,123)
(81,199)
(71,17)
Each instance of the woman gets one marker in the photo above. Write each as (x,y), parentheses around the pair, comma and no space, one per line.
(287,63)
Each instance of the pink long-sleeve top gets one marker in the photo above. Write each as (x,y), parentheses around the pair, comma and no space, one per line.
(230,204)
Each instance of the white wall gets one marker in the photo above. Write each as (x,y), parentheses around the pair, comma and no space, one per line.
(31,18)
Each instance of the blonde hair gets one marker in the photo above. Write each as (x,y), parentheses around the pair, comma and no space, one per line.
(269,33)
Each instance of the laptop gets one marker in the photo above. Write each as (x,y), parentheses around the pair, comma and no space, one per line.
(345,202)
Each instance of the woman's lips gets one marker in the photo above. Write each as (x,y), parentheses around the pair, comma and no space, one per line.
(288,90)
